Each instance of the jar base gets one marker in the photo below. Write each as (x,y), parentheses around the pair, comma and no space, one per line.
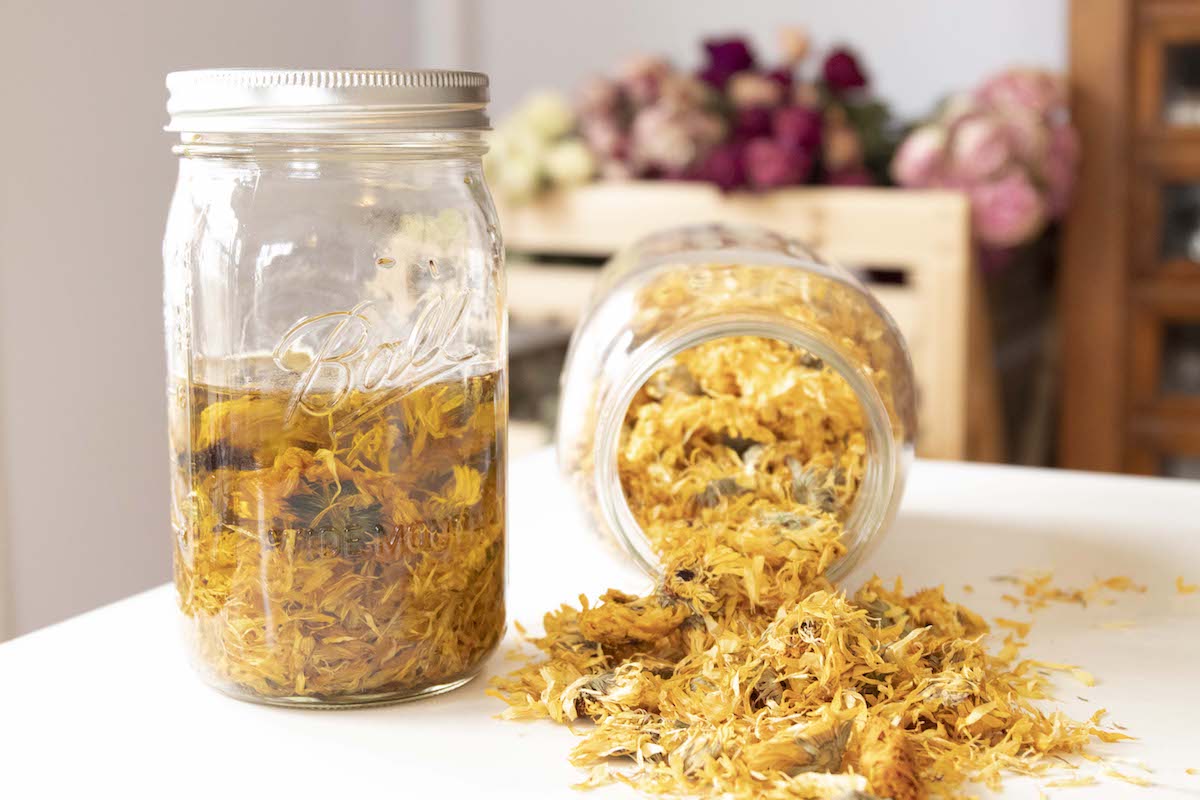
(349,702)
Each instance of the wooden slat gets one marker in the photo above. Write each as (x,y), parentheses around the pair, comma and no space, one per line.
(873,227)
(1096,243)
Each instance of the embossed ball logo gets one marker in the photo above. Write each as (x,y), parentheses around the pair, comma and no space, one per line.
(340,352)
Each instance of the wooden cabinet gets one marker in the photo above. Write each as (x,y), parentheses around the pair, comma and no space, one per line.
(1131,279)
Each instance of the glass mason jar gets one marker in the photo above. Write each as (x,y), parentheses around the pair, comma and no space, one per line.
(670,294)
(336,350)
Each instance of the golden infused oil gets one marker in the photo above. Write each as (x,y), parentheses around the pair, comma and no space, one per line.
(353,556)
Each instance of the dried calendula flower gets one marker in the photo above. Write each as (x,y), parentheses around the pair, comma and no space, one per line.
(1038,590)
(345,557)
(626,619)
(888,761)
(745,673)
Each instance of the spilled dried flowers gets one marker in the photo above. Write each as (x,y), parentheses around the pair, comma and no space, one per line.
(746,672)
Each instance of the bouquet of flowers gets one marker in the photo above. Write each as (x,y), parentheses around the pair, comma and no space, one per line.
(1009,145)
(743,125)
(734,122)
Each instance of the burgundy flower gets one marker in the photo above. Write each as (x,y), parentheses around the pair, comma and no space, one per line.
(784,77)
(770,164)
(751,123)
(798,126)
(725,57)
(722,166)
(842,72)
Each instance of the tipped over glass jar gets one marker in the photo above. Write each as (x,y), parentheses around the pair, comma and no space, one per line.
(729,390)
(337,392)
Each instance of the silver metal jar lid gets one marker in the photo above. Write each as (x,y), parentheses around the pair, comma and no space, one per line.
(326,101)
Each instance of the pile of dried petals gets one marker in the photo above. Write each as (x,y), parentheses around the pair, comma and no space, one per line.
(746,673)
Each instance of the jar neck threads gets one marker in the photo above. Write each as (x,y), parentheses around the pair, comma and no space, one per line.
(878,496)
(447,144)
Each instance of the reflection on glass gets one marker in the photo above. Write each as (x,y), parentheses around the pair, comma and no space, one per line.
(1181,467)
(1181,359)
(1181,85)
(1181,222)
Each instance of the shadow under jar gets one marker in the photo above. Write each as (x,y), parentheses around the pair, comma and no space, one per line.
(335,325)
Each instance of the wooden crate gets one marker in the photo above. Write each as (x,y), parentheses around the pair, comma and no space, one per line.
(921,236)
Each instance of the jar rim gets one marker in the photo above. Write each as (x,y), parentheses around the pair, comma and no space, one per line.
(240,100)
(877,499)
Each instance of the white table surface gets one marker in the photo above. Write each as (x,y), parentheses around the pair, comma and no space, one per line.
(105,700)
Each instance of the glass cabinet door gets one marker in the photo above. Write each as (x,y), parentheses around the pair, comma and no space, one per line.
(1181,85)
(1168,69)
(1181,467)
(1180,371)
(1179,234)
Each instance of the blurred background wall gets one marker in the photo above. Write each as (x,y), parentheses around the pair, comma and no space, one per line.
(88,174)
(87,177)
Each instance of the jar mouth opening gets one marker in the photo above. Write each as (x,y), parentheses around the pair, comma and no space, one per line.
(876,499)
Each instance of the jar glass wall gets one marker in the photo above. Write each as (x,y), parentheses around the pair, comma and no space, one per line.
(723,294)
(337,408)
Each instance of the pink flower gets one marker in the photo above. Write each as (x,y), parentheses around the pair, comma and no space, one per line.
(842,71)
(1025,89)
(1028,136)
(798,126)
(980,149)
(1007,211)
(684,90)
(723,166)
(598,96)
(918,161)
(751,123)
(770,164)
(668,137)
(642,78)
(958,107)
(604,136)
